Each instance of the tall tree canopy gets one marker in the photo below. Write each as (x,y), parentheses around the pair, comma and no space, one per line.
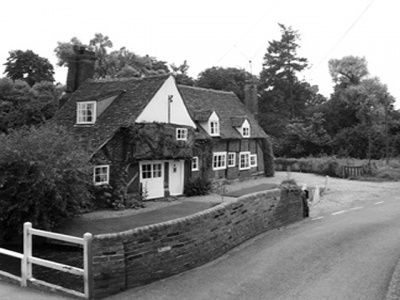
(28,66)
(356,110)
(224,79)
(349,70)
(281,89)
(286,101)
(22,105)
(112,63)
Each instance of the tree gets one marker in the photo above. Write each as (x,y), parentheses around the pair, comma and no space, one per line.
(278,78)
(224,79)
(64,50)
(349,70)
(22,105)
(28,66)
(115,64)
(304,137)
(44,178)
(358,103)
(180,73)
(99,45)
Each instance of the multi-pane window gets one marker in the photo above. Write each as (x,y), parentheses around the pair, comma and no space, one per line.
(195,163)
(86,112)
(219,160)
(231,159)
(151,170)
(181,134)
(253,160)
(246,131)
(146,171)
(214,128)
(101,174)
(157,170)
(244,160)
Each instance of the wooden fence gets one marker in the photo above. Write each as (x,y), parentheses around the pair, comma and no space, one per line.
(27,260)
(352,171)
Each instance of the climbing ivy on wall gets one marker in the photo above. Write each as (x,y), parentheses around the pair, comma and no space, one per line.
(148,141)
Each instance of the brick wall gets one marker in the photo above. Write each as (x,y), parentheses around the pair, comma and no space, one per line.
(143,255)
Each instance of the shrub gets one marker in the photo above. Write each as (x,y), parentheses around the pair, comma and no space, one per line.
(323,166)
(44,178)
(197,187)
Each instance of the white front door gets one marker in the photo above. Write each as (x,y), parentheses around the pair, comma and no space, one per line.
(152,179)
(176,175)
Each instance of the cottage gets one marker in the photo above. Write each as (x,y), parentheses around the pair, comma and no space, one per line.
(151,136)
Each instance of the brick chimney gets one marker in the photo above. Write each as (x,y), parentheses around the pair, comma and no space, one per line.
(80,68)
(251,97)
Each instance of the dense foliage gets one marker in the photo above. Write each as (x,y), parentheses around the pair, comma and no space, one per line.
(28,66)
(225,79)
(198,187)
(22,105)
(120,63)
(301,122)
(44,178)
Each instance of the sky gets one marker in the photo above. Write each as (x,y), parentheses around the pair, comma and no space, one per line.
(209,33)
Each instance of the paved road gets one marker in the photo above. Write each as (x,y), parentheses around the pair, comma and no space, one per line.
(347,254)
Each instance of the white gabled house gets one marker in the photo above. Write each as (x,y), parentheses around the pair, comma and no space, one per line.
(153,135)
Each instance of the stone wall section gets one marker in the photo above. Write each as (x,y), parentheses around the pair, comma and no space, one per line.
(136,257)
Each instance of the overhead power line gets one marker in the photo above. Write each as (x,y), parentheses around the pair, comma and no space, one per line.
(245,36)
(343,36)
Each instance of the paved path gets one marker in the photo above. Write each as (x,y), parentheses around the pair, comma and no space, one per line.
(12,292)
(345,254)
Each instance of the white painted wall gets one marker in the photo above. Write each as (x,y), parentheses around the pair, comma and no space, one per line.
(157,109)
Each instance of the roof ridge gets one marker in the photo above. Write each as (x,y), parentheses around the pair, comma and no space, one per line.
(105,80)
(206,89)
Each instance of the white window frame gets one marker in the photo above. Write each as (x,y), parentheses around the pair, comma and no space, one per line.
(253,160)
(214,128)
(244,155)
(81,107)
(181,134)
(246,131)
(231,159)
(219,161)
(101,175)
(151,172)
(195,163)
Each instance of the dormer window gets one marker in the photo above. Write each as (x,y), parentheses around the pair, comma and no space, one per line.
(86,112)
(246,131)
(181,134)
(214,128)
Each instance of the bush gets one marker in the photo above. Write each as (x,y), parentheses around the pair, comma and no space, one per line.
(44,178)
(197,187)
(323,166)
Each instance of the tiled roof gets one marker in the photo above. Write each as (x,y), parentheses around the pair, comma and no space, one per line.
(202,115)
(133,96)
(225,104)
(237,121)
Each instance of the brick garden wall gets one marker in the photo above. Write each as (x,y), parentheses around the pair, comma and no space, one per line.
(136,257)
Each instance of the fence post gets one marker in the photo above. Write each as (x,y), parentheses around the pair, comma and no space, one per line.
(26,265)
(87,265)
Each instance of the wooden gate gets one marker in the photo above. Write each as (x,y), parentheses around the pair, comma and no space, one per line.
(352,171)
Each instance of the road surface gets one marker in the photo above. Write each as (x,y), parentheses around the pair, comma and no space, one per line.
(346,253)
